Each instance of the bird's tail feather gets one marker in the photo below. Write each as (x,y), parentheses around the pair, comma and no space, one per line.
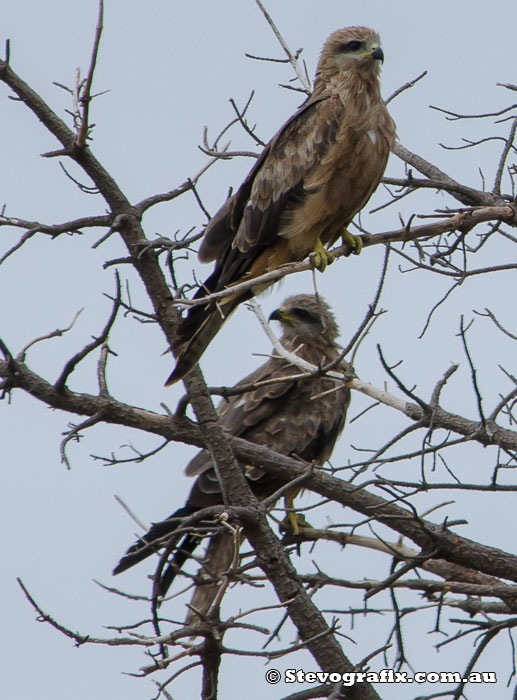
(155,540)
(150,542)
(182,553)
(198,329)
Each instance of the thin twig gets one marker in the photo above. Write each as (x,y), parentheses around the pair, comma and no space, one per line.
(302,77)
(85,96)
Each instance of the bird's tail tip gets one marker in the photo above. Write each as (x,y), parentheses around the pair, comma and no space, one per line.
(185,361)
(172,378)
(192,350)
(198,330)
(123,565)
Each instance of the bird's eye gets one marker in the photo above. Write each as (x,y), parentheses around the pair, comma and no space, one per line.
(302,313)
(351,46)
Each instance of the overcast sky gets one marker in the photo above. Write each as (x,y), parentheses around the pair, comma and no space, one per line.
(170,68)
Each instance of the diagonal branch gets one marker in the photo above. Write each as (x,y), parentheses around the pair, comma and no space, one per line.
(462,221)
(424,533)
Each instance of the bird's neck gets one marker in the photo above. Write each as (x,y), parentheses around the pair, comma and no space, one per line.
(313,351)
(354,87)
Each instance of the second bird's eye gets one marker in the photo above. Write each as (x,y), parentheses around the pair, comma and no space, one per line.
(302,313)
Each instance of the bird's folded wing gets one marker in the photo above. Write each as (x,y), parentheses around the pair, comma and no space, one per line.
(252,216)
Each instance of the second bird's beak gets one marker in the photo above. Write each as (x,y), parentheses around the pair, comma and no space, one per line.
(282,315)
(277,315)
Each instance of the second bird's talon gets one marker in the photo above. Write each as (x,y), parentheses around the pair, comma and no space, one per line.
(292,523)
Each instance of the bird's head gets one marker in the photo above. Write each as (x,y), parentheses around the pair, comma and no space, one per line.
(354,49)
(306,318)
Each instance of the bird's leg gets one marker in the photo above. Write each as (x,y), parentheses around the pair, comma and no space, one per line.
(320,257)
(293,521)
(291,516)
(354,243)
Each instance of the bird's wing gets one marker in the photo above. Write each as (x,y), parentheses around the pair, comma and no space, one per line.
(250,219)
(243,411)
(284,416)
(306,422)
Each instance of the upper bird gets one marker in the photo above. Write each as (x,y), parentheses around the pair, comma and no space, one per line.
(310,181)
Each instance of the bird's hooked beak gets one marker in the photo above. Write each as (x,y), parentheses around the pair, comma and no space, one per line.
(375,52)
(378,54)
(280,315)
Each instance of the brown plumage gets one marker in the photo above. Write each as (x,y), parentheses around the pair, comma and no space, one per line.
(281,416)
(310,181)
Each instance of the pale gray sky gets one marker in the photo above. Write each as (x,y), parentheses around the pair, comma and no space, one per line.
(170,68)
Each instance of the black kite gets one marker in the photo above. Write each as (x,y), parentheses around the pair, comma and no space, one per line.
(310,181)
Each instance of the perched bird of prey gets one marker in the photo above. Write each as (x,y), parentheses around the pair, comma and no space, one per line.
(283,416)
(310,181)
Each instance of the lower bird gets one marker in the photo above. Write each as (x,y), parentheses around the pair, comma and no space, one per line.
(300,417)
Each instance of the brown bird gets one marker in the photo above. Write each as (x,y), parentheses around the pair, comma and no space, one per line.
(283,416)
(310,181)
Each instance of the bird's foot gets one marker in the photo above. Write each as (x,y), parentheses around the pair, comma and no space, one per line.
(320,257)
(292,523)
(354,243)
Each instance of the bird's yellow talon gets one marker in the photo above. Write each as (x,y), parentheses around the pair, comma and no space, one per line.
(320,257)
(353,242)
(292,523)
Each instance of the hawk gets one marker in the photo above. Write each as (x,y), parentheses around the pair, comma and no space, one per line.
(309,182)
(302,417)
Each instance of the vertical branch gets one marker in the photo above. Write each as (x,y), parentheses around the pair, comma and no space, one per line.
(473,372)
(85,96)
(504,155)
(271,556)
